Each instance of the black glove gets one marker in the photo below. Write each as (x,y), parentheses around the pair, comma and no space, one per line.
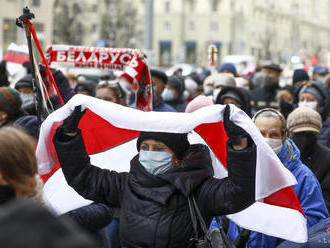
(234,132)
(70,124)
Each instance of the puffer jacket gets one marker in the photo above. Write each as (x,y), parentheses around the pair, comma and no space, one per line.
(154,209)
(308,191)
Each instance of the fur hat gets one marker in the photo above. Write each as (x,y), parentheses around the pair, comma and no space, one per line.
(304,119)
(177,142)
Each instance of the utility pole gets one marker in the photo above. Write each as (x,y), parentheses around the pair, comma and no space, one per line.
(148,30)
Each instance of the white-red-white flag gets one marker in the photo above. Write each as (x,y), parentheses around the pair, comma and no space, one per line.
(110,131)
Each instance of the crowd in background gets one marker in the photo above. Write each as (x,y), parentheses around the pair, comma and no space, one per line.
(294,120)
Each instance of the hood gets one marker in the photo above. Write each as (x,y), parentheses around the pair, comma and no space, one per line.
(323,90)
(195,169)
(289,155)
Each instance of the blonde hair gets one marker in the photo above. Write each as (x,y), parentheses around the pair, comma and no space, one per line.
(18,164)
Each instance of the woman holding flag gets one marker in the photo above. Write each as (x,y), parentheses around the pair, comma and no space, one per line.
(153,194)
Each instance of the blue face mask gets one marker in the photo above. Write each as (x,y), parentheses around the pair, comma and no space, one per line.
(155,163)
(168,95)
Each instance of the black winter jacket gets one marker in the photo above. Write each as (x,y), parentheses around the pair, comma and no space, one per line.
(317,158)
(154,209)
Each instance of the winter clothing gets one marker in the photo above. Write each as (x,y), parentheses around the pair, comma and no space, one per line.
(308,191)
(177,142)
(21,220)
(299,75)
(317,158)
(274,67)
(3,74)
(229,67)
(179,104)
(264,97)
(223,79)
(88,86)
(198,102)
(159,74)
(30,124)
(10,102)
(241,94)
(304,119)
(154,209)
(24,82)
(312,91)
(322,89)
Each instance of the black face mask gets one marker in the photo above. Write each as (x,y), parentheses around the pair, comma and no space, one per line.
(305,141)
(285,108)
(6,193)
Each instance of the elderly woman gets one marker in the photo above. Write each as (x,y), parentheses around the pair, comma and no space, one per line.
(272,126)
(153,194)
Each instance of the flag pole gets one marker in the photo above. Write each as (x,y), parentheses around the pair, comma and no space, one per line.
(24,22)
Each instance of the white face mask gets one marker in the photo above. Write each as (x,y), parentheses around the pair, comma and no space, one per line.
(216,92)
(208,90)
(312,105)
(155,163)
(275,144)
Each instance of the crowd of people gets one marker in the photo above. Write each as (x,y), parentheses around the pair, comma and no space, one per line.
(142,208)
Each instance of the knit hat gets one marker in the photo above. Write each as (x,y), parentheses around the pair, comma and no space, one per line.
(159,74)
(177,83)
(223,79)
(177,142)
(10,101)
(198,102)
(299,75)
(230,94)
(318,69)
(88,86)
(229,67)
(304,119)
(24,82)
(313,91)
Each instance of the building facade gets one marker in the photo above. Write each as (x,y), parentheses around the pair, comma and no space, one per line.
(43,22)
(266,29)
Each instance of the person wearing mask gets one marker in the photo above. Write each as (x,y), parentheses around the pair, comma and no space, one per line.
(159,81)
(272,126)
(304,124)
(173,93)
(319,73)
(315,95)
(167,169)
(10,105)
(285,100)
(25,88)
(208,86)
(220,81)
(237,96)
(265,96)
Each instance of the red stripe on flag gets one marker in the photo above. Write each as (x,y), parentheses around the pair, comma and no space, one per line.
(287,198)
(16,57)
(99,135)
(215,136)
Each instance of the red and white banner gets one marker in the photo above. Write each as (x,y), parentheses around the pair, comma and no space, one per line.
(109,131)
(123,59)
(17,54)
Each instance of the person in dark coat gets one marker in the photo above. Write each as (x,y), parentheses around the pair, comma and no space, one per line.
(304,124)
(153,194)
(173,93)
(10,105)
(316,96)
(237,96)
(265,96)
(3,74)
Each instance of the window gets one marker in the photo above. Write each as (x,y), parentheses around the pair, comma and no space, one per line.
(191,26)
(167,26)
(165,48)
(192,5)
(190,52)
(214,26)
(36,2)
(214,6)
(167,6)
(9,32)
